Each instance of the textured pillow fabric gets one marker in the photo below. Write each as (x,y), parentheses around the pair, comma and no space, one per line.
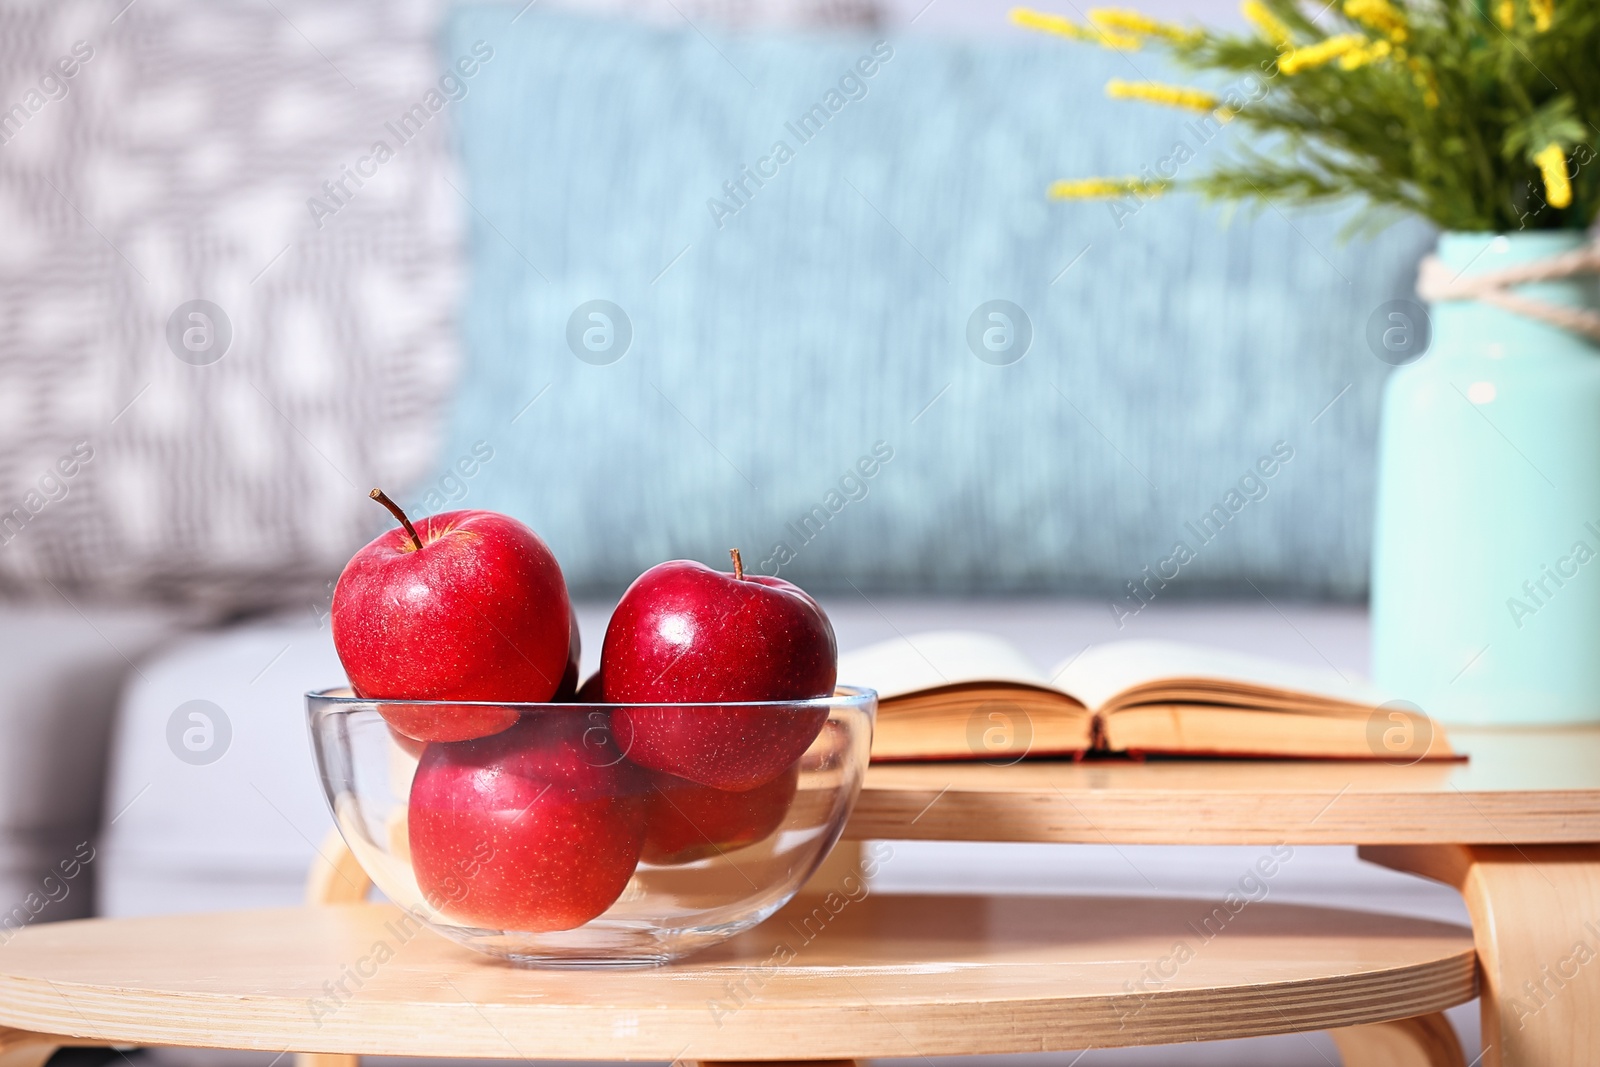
(741,14)
(170,151)
(797,240)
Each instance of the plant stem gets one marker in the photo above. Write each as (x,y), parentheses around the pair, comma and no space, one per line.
(394,509)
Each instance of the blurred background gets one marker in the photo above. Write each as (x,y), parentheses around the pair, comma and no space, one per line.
(659,277)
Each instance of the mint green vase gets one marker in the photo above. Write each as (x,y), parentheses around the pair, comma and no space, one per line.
(1486,559)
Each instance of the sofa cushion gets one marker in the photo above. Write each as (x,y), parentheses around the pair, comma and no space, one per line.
(233,820)
(767,340)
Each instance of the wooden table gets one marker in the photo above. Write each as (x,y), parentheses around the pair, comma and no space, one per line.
(904,977)
(1516,829)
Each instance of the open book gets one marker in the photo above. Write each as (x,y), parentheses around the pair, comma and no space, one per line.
(961,696)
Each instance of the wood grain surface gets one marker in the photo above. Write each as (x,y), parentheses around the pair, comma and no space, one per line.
(1523,786)
(1536,916)
(1426,1041)
(828,978)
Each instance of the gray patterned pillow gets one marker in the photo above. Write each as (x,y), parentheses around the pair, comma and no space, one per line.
(177,151)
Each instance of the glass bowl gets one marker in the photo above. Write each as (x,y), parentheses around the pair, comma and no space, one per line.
(545,844)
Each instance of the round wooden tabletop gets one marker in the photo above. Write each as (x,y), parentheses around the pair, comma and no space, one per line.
(1524,786)
(828,977)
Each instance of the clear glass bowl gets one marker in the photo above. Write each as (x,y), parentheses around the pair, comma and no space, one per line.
(544,844)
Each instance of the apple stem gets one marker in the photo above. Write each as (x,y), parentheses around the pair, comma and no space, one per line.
(394,509)
(738,565)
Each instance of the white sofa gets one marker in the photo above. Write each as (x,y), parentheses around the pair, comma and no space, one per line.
(240,831)
(61,677)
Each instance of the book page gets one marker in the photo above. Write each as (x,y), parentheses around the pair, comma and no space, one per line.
(1223,731)
(1099,674)
(929,660)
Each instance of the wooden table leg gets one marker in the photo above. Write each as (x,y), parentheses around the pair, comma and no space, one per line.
(1536,920)
(1426,1041)
(23,1048)
(336,876)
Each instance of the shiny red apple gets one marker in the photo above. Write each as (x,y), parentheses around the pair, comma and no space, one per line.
(536,828)
(469,606)
(685,633)
(689,821)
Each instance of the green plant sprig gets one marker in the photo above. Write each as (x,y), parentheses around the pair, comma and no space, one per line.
(1478,115)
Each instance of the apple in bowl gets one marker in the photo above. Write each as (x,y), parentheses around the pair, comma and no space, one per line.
(684,633)
(536,828)
(688,822)
(469,606)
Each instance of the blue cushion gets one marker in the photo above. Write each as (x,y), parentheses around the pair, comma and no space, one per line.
(802,375)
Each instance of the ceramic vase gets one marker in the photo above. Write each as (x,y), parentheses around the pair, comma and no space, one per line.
(1486,556)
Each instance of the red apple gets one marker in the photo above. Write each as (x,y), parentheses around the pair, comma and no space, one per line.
(471,606)
(684,633)
(445,722)
(689,821)
(536,828)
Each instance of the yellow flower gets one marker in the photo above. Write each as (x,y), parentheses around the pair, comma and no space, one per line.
(1315,55)
(1047,23)
(1423,78)
(1506,13)
(1368,53)
(1065,27)
(1157,93)
(1543,12)
(1552,163)
(1111,19)
(1104,188)
(1262,18)
(1378,15)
